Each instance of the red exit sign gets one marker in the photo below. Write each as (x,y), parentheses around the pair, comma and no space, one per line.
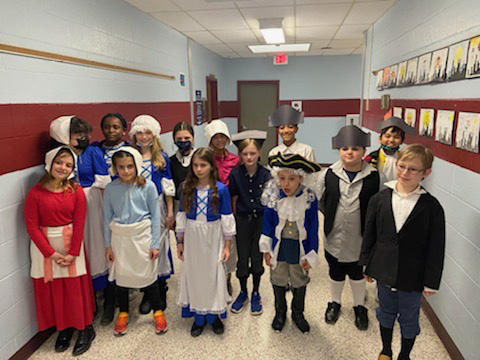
(280,59)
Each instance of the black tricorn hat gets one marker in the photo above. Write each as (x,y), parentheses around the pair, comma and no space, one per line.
(397,122)
(285,115)
(350,135)
(293,162)
(257,135)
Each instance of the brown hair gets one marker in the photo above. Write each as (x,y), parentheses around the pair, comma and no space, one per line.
(78,125)
(417,151)
(191,181)
(66,184)
(244,143)
(157,149)
(183,125)
(139,180)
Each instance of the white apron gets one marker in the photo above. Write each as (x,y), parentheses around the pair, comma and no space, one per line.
(59,238)
(132,266)
(203,285)
(164,266)
(93,234)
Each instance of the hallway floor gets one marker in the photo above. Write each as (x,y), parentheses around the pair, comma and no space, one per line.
(249,337)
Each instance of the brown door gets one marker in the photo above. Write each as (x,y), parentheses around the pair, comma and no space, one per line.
(212,99)
(258,100)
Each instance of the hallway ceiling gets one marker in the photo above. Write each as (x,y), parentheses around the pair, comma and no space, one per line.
(227,27)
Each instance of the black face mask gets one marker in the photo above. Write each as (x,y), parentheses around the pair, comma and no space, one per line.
(83,143)
(184,146)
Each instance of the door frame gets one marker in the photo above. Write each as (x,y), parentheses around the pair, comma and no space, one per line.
(239,97)
(212,97)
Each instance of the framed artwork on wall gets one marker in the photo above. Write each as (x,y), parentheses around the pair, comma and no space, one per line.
(386,77)
(402,73)
(468,128)
(473,62)
(457,61)
(444,126)
(411,71)
(379,83)
(393,76)
(397,112)
(438,66)
(423,68)
(410,116)
(426,123)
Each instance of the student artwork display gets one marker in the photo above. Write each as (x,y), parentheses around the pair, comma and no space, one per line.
(411,71)
(444,126)
(410,116)
(393,76)
(468,128)
(457,61)
(402,73)
(426,124)
(397,112)
(423,68)
(386,77)
(379,83)
(438,66)
(473,64)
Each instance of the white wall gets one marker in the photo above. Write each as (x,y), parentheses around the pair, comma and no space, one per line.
(411,28)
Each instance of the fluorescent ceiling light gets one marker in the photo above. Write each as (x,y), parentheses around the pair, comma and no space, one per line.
(272,31)
(281,48)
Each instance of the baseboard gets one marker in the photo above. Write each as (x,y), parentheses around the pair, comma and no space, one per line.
(32,345)
(447,341)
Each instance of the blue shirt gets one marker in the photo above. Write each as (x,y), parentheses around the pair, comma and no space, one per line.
(90,163)
(130,204)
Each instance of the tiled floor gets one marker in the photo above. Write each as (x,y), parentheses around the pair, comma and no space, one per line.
(248,337)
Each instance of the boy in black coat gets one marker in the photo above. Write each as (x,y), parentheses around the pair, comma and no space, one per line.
(403,247)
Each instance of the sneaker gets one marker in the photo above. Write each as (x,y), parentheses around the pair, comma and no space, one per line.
(160,322)
(384,357)
(332,313)
(256,304)
(121,325)
(218,327)
(239,303)
(361,317)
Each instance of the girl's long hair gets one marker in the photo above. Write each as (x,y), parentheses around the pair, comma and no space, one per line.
(157,149)
(66,184)
(191,181)
(139,180)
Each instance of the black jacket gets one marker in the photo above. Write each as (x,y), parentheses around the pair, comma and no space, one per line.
(412,258)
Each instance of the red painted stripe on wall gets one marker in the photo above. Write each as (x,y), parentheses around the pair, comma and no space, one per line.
(24,128)
(311,108)
(450,153)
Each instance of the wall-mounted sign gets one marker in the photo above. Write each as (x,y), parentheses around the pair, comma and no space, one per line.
(280,59)
(182,79)
(198,107)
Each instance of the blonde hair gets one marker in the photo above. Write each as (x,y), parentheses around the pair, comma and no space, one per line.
(417,151)
(244,143)
(157,149)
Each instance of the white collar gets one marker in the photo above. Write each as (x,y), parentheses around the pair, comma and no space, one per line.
(291,145)
(366,170)
(184,160)
(393,185)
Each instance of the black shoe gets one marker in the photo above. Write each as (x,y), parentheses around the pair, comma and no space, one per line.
(301,323)
(279,321)
(145,306)
(63,339)
(218,327)
(85,338)
(162,286)
(361,317)
(196,330)
(332,313)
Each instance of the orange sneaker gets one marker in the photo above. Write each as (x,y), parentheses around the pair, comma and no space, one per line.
(160,322)
(121,325)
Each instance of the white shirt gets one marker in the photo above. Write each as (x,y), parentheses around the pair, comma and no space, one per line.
(296,148)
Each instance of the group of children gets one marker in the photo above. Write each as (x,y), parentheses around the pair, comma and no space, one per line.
(229,213)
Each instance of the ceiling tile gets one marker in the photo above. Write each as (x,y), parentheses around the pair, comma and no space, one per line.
(338,51)
(310,53)
(319,44)
(319,15)
(250,54)
(288,32)
(150,6)
(315,33)
(253,14)
(241,48)
(218,48)
(309,2)
(229,55)
(367,12)
(189,5)
(351,31)
(359,50)
(178,20)
(227,19)
(262,3)
(235,36)
(346,43)
(203,37)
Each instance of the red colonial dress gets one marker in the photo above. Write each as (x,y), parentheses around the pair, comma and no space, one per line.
(225,164)
(55,221)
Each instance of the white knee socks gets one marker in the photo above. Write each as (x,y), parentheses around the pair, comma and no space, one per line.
(336,288)
(358,291)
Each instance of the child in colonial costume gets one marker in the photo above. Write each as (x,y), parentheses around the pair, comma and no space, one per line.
(145,134)
(55,216)
(205,228)
(286,119)
(92,174)
(133,235)
(289,237)
(183,137)
(246,186)
(345,189)
(392,135)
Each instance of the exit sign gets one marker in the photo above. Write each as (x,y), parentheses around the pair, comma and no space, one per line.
(281,59)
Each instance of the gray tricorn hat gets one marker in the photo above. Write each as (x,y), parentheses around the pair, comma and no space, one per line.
(285,115)
(350,135)
(397,122)
(257,135)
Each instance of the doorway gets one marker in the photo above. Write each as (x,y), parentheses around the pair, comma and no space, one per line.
(258,100)
(212,98)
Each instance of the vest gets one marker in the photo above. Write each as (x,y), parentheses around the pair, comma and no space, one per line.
(370,187)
